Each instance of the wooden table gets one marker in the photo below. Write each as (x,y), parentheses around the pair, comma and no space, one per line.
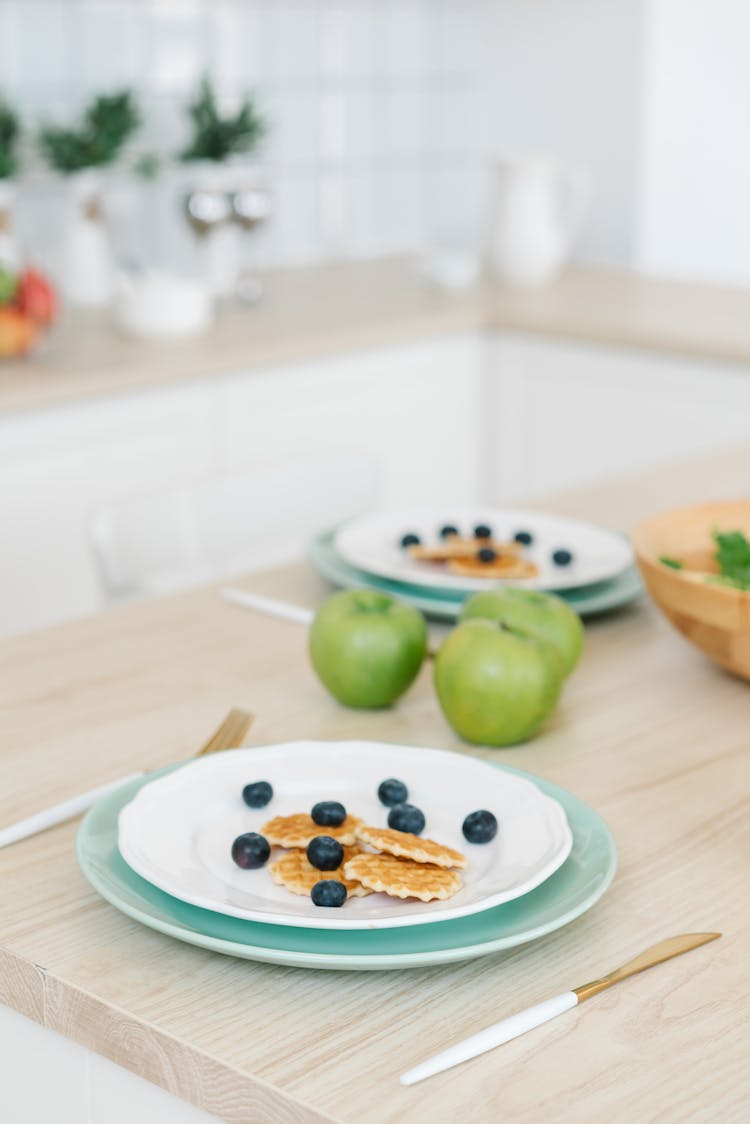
(649,733)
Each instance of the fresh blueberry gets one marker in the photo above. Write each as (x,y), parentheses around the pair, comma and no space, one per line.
(328,813)
(405,817)
(562,557)
(486,554)
(257,794)
(482,531)
(328,892)
(250,850)
(524,537)
(410,540)
(392,792)
(325,853)
(448,530)
(480,827)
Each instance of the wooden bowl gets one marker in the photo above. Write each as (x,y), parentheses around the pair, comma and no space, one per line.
(714,618)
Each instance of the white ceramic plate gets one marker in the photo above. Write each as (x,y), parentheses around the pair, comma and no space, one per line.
(178,831)
(372,544)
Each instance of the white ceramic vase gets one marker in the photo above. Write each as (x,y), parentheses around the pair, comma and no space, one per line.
(10,251)
(87,272)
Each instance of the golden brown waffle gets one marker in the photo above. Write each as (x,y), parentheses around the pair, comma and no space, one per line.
(401,878)
(453,547)
(405,845)
(299,829)
(296,873)
(504,566)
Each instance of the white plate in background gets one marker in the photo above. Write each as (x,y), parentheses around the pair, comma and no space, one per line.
(372,543)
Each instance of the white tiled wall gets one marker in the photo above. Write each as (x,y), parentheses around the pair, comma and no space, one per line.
(372,104)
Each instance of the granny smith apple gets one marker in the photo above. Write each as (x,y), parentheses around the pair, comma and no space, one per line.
(366,647)
(495,683)
(542,614)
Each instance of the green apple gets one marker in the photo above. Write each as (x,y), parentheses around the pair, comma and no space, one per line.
(542,614)
(366,647)
(496,684)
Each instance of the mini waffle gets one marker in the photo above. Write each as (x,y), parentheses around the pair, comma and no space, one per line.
(403,844)
(299,829)
(453,547)
(296,873)
(401,878)
(504,566)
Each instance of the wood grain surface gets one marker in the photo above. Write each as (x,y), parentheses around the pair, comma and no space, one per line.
(650,733)
(344,306)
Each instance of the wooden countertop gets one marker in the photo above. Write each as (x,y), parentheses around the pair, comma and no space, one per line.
(649,733)
(321,310)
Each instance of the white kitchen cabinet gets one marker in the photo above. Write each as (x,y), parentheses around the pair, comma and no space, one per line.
(558,414)
(58,466)
(413,410)
(491,417)
(78,1086)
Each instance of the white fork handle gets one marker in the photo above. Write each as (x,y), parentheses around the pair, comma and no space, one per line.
(59,813)
(268,605)
(492,1036)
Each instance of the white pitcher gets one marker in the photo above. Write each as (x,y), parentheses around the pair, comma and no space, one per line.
(538,207)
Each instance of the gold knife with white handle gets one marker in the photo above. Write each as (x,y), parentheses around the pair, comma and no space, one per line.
(512,1027)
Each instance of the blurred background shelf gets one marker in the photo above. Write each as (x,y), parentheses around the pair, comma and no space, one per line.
(346,306)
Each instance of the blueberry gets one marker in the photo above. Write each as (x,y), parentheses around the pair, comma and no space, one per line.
(250,850)
(448,530)
(328,892)
(480,827)
(524,537)
(392,792)
(405,817)
(410,540)
(562,557)
(328,813)
(325,853)
(257,794)
(486,554)
(482,531)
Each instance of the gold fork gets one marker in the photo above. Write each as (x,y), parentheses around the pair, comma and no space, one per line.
(229,735)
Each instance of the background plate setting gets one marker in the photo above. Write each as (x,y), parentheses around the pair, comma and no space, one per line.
(371,543)
(588,601)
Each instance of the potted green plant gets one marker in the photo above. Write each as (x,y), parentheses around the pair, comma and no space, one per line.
(216,144)
(9,137)
(80,153)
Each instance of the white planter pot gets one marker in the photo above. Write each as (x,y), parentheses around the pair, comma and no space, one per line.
(88,272)
(10,251)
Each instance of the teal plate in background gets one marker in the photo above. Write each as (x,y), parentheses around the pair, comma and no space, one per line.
(588,601)
(574,888)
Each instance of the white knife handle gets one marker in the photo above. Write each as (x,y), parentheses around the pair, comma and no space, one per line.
(59,813)
(492,1036)
(268,605)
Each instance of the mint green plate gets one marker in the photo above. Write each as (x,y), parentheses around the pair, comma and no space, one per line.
(588,601)
(574,888)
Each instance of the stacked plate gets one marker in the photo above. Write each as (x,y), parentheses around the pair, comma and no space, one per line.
(590,567)
(159,849)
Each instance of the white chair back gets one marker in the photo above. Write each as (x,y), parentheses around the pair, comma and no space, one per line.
(225,525)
